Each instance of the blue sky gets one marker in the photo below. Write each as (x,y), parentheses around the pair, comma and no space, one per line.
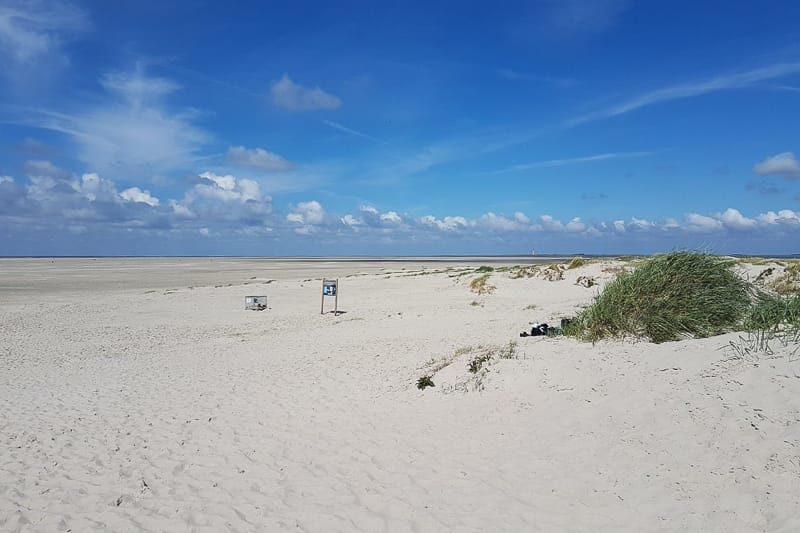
(344,128)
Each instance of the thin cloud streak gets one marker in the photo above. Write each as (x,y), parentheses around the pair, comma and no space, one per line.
(572,161)
(340,127)
(738,80)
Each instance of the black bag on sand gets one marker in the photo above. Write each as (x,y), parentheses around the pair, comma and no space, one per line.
(537,330)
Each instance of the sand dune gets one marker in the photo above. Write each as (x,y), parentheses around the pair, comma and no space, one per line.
(140,405)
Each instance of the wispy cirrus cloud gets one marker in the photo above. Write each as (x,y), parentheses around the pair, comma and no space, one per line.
(345,129)
(737,80)
(573,161)
(292,96)
(132,133)
(30,30)
(515,75)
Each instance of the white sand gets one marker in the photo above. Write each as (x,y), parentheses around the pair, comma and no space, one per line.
(125,405)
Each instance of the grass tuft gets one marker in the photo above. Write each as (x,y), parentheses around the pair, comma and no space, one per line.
(772,313)
(425,381)
(481,285)
(576,262)
(666,298)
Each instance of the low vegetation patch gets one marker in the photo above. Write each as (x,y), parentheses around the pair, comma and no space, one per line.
(789,281)
(666,298)
(483,269)
(576,262)
(772,313)
(424,382)
(481,285)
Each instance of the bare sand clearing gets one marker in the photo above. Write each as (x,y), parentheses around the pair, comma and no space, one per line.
(139,394)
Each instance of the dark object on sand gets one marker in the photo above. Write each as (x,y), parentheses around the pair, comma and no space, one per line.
(538,330)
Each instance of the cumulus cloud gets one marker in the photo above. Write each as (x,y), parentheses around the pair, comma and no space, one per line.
(294,97)
(308,214)
(257,158)
(135,194)
(448,223)
(733,219)
(784,164)
(225,198)
(702,223)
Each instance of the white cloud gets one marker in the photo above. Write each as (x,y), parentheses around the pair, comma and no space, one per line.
(575,225)
(731,81)
(350,220)
(447,223)
(225,200)
(257,158)
(784,216)
(135,194)
(574,160)
(309,213)
(391,217)
(500,223)
(521,218)
(204,232)
(784,164)
(733,219)
(294,97)
(340,127)
(702,223)
(30,30)
(133,134)
(136,88)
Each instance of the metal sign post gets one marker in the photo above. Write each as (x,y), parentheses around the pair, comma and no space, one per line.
(330,287)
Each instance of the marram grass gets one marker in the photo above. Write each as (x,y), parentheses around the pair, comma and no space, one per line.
(668,297)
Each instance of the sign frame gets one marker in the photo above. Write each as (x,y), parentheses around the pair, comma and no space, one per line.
(255,303)
(330,287)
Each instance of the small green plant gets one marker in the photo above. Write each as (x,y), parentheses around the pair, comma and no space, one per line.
(478,361)
(484,269)
(576,262)
(425,381)
(530,307)
(475,303)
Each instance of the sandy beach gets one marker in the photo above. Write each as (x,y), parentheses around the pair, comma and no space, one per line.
(139,394)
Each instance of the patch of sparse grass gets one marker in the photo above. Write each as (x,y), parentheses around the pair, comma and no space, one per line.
(483,269)
(523,272)
(530,307)
(485,355)
(481,285)
(576,262)
(475,303)
(509,351)
(789,281)
(668,297)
